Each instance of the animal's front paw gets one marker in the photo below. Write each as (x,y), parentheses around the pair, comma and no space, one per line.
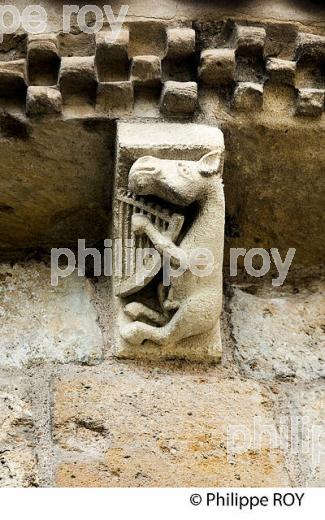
(134,333)
(139,224)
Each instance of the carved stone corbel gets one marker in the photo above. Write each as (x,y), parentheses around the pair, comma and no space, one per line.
(169,200)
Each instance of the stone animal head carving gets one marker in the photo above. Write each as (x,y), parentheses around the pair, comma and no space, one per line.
(178,182)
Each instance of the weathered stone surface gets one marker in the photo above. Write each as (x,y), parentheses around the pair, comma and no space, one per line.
(279,334)
(43,42)
(140,138)
(217,66)
(12,126)
(281,71)
(43,100)
(115,98)
(147,38)
(55,187)
(60,191)
(13,79)
(310,45)
(248,96)
(310,102)
(268,156)
(281,40)
(42,324)
(249,39)
(111,58)
(17,457)
(80,44)
(307,413)
(302,12)
(78,77)
(72,200)
(179,97)
(146,70)
(180,43)
(300,417)
(43,59)
(131,431)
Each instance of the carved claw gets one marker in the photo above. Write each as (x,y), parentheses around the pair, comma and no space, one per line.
(139,224)
(139,312)
(136,333)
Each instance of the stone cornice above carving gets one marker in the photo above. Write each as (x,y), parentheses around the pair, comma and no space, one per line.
(48,74)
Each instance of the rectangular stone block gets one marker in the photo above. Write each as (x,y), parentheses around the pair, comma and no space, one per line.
(139,308)
(268,331)
(306,409)
(115,98)
(249,39)
(111,58)
(281,71)
(280,39)
(310,102)
(18,462)
(310,45)
(179,97)
(146,71)
(13,82)
(217,66)
(78,78)
(43,59)
(80,44)
(127,426)
(180,43)
(44,324)
(248,96)
(43,101)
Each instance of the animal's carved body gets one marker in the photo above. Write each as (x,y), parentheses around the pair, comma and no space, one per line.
(192,303)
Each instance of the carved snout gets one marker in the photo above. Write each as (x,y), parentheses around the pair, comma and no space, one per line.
(142,174)
(140,182)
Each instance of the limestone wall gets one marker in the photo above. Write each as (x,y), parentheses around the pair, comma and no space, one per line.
(70,413)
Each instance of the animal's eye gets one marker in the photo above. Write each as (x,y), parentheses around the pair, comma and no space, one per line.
(182,168)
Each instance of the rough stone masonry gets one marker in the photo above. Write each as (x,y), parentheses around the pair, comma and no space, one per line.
(72,412)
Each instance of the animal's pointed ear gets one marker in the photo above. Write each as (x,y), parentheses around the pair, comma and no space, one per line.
(209,164)
(144,159)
